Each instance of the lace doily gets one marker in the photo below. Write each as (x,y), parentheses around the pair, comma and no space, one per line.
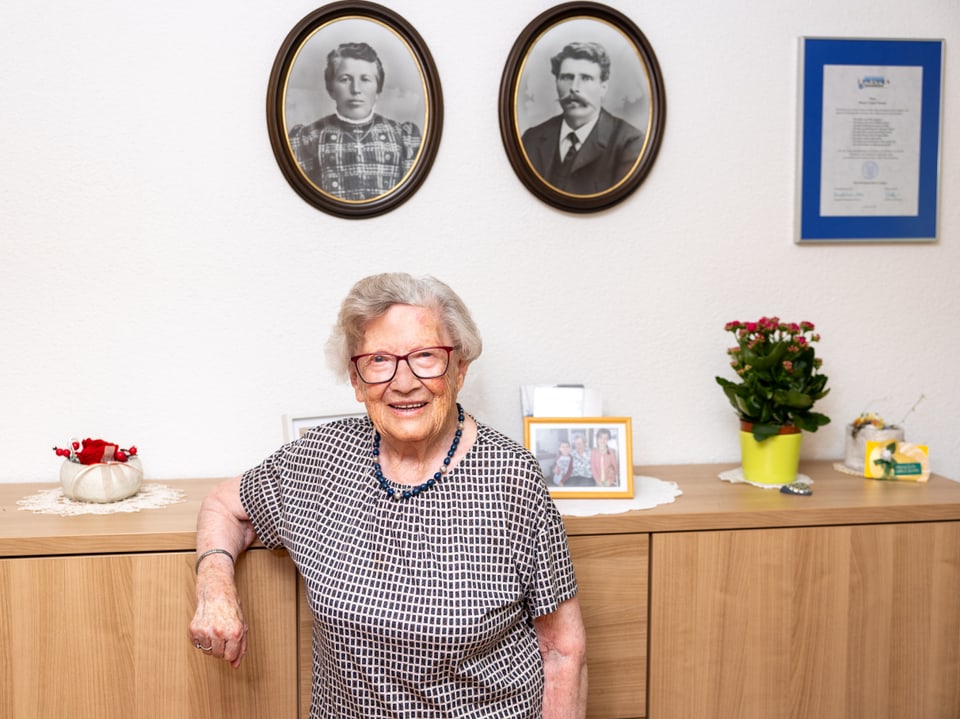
(736,476)
(648,492)
(52,501)
(841,467)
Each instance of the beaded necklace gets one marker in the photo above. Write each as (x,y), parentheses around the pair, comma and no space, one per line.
(414,491)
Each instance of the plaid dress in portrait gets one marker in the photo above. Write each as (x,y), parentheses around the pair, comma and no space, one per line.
(356,162)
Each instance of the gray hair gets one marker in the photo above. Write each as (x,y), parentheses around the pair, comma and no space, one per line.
(372,296)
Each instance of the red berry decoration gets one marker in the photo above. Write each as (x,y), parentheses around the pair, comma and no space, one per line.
(95,451)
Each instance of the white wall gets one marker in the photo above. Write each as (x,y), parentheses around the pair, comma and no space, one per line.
(162,285)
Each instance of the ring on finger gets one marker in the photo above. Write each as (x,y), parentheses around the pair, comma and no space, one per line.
(202,648)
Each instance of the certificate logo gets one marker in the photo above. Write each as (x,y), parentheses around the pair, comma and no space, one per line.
(870,170)
(871,81)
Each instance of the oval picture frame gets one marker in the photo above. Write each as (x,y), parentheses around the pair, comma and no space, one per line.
(630,107)
(337,161)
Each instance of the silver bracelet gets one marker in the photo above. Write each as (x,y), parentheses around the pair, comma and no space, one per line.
(206,554)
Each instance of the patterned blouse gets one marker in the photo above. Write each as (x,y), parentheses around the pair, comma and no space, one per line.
(423,607)
(355,162)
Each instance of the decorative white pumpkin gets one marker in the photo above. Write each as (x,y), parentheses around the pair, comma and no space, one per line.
(102,482)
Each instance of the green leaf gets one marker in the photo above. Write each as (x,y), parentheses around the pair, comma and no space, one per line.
(765,431)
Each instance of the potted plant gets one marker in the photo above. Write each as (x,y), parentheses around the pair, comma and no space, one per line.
(779,382)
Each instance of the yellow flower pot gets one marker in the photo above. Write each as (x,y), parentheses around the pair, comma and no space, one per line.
(774,460)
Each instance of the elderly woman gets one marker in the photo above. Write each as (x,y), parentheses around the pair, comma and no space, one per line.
(435,563)
(355,154)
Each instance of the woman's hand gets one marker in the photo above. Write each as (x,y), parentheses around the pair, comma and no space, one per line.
(218,627)
(224,531)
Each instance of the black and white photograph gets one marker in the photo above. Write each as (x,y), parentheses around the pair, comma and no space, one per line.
(354,109)
(583,457)
(582,106)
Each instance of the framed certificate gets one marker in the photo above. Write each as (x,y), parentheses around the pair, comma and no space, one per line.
(869,140)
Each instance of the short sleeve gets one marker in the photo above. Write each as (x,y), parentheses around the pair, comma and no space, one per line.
(553,580)
(260,494)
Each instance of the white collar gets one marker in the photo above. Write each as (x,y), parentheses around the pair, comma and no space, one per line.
(350,121)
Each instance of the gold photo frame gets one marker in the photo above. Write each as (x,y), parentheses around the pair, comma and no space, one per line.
(583,457)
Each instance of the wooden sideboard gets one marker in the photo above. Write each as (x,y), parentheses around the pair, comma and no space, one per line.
(732,601)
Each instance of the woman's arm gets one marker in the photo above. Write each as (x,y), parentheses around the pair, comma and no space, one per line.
(563,645)
(218,627)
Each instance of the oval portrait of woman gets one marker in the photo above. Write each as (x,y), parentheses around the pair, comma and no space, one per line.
(354,109)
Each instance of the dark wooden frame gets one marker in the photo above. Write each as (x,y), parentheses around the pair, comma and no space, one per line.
(312,25)
(511,133)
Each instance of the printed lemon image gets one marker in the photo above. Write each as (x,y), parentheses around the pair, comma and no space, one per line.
(897,460)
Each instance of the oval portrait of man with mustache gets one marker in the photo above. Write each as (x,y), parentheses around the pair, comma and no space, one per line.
(587,107)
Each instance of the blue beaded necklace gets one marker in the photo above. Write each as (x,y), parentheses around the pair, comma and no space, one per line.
(414,491)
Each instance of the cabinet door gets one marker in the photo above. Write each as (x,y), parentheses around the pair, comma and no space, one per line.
(612,575)
(106,636)
(843,622)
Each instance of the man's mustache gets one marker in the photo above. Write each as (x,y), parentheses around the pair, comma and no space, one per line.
(568,100)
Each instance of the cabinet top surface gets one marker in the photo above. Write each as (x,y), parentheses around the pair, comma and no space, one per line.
(707,503)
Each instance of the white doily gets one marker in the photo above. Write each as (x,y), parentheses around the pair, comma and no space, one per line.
(736,476)
(52,501)
(648,492)
(841,467)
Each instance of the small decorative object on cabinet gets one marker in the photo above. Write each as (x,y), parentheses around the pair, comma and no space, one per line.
(780,381)
(97,471)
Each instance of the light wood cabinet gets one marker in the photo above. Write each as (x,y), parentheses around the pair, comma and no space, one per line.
(845,622)
(841,605)
(612,575)
(106,636)
(732,601)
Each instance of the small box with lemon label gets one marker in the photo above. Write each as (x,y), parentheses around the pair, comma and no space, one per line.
(896,460)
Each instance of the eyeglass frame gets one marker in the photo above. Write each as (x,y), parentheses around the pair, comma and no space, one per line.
(405,358)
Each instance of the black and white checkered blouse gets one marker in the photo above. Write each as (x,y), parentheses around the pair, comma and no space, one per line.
(423,607)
